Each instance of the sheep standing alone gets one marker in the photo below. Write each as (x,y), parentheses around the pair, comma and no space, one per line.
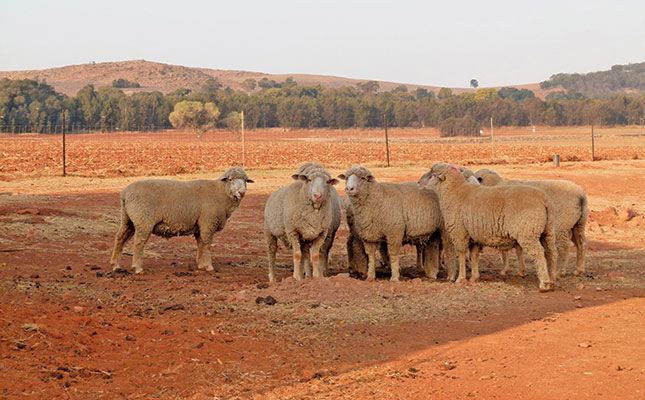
(335,200)
(394,214)
(174,208)
(300,216)
(501,217)
(570,209)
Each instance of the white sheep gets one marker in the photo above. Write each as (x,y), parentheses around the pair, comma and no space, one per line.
(335,200)
(175,208)
(468,174)
(570,208)
(500,217)
(300,216)
(357,257)
(394,214)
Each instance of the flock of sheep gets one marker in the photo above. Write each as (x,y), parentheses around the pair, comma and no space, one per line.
(450,214)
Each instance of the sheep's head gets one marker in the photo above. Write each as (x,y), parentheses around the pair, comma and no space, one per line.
(317,184)
(304,168)
(439,173)
(355,179)
(236,180)
(466,172)
(487,177)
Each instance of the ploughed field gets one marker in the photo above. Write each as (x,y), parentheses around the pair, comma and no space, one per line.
(71,328)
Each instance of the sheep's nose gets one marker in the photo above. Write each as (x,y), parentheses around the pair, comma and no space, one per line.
(241,194)
(349,189)
(317,196)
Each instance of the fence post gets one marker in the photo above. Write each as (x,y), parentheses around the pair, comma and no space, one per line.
(492,139)
(593,150)
(63,129)
(243,150)
(387,142)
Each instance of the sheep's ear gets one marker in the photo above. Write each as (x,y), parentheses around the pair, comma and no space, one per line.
(332,181)
(441,177)
(302,177)
(342,176)
(295,177)
(370,178)
(223,179)
(249,180)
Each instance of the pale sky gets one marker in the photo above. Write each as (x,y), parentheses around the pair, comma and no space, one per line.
(439,43)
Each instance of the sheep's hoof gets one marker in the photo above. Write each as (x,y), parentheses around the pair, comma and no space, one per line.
(460,280)
(138,271)
(116,268)
(561,275)
(579,272)
(370,278)
(474,279)
(521,274)
(393,279)
(546,286)
(503,274)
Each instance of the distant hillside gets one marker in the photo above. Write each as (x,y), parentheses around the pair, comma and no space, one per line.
(166,78)
(619,79)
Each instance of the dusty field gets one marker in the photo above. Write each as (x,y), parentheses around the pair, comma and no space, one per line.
(70,328)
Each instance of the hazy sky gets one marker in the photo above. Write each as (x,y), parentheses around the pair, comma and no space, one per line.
(441,43)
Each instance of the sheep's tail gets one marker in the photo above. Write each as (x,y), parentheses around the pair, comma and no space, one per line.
(548,241)
(125,218)
(579,236)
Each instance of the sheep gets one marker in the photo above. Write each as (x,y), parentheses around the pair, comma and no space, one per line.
(170,208)
(500,217)
(468,174)
(300,215)
(335,219)
(394,214)
(357,257)
(570,217)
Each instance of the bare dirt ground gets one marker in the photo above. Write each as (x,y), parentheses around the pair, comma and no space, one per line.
(71,328)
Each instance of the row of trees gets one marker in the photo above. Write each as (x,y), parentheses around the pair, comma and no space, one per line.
(37,107)
(601,83)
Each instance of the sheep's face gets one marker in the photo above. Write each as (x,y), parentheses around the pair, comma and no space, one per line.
(487,177)
(355,178)
(437,174)
(317,185)
(236,180)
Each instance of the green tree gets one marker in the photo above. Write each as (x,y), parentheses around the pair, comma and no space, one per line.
(249,84)
(195,116)
(233,122)
(444,93)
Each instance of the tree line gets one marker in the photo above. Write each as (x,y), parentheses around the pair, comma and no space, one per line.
(600,83)
(36,107)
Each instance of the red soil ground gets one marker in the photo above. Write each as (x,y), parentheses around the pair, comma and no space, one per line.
(70,328)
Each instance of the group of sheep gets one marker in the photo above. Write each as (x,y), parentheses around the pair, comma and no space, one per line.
(449,210)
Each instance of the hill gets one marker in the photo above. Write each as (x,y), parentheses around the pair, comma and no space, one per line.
(153,76)
(619,79)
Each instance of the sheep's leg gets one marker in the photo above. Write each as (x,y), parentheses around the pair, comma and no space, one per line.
(536,254)
(272,248)
(306,264)
(200,252)
(580,240)
(431,258)
(141,236)
(420,248)
(550,253)
(316,257)
(563,258)
(520,261)
(474,263)
(324,252)
(294,241)
(506,262)
(125,232)
(359,259)
(462,266)
(370,249)
(450,258)
(393,248)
